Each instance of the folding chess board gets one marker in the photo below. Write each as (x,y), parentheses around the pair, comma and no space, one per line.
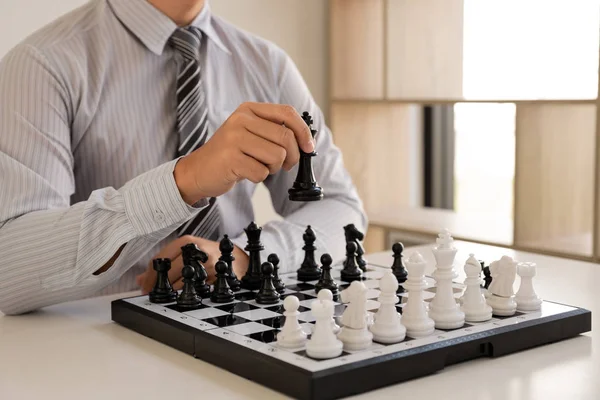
(240,337)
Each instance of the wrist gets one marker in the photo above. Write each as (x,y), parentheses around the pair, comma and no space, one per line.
(185,183)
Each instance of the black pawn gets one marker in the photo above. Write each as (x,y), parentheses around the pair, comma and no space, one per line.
(309,270)
(221,293)
(268,293)
(226,247)
(326,281)
(305,187)
(277,282)
(351,271)
(162,292)
(188,299)
(398,268)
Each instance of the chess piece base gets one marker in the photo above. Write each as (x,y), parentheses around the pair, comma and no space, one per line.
(309,274)
(483,313)
(532,303)
(161,298)
(388,334)
(447,319)
(346,277)
(323,351)
(418,328)
(222,297)
(293,340)
(502,306)
(355,339)
(313,193)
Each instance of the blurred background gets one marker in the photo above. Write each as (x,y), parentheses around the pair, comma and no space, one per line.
(478,116)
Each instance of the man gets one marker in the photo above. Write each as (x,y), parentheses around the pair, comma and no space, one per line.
(122,121)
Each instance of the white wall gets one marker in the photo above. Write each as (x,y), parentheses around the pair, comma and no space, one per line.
(298,26)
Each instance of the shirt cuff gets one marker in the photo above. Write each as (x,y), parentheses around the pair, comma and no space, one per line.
(153,201)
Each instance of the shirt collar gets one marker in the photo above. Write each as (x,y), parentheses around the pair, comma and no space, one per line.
(154,28)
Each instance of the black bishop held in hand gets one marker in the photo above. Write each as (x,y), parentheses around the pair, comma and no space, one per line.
(306,188)
(194,257)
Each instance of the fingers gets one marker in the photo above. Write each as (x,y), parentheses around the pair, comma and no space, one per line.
(264,151)
(247,167)
(283,137)
(287,115)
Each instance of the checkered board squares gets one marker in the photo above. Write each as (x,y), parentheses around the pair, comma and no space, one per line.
(255,326)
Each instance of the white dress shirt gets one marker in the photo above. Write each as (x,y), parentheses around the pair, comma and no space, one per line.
(88,144)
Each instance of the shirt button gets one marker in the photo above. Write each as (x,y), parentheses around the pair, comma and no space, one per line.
(159,216)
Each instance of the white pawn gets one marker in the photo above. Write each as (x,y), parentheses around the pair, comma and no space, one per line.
(291,335)
(473,301)
(325,294)
(355,332)
(414,314)
(526,298)
(387,327)
(323,343)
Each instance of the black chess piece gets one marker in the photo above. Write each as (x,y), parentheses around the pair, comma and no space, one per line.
(277,282)
(351,271)
(267,294)
(398,267)
(194,257)
(354,235)
(251,280)
(309,269)
(305,187)
(162,292)
(226,248)
(221,293)
(487,279)
(326,281)
(188,299)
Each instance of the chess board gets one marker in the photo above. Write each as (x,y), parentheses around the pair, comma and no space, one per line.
(240,337)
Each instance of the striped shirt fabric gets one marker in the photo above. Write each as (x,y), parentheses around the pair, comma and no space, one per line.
(88,144)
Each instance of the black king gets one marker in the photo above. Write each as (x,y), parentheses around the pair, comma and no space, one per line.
(305,187)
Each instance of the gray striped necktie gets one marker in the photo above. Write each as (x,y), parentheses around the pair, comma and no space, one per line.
(192,121)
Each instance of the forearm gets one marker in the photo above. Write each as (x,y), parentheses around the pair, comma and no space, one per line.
(56,255)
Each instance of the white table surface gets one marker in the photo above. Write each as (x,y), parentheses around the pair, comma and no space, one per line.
(75,351)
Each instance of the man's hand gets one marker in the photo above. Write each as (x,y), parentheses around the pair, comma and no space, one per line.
(257,140)
(172,251)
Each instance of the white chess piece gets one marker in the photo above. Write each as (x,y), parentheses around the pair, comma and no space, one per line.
(323,342)
(354,332)
(291,335)
(444,309)
(325,294)
(387,326)
(414,313)
(473,301)
(526,298)
(501,295)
